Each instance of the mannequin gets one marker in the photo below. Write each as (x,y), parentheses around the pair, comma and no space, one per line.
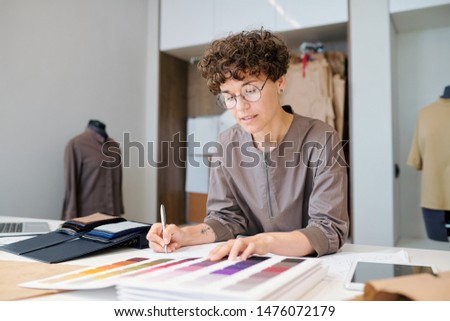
(90,185)
(430,153)
(98,127)
(446,94)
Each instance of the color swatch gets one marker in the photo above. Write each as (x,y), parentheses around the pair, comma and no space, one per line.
(105,275)
(94,271)
(267,273)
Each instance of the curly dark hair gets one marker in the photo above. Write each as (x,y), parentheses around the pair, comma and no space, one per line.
(248,52)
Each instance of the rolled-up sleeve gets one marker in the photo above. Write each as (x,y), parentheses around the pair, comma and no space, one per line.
(224,215)
(327,229)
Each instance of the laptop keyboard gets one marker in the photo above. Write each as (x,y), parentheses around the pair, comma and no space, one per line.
(11,227)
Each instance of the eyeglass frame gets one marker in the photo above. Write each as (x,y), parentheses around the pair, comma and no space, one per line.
(223,105)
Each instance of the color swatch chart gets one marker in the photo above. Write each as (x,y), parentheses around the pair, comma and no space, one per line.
(184,272)
(254,278)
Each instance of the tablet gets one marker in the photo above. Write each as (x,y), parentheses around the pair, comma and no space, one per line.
(363,272)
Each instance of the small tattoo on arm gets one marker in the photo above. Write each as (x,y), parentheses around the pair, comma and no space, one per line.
(205,230)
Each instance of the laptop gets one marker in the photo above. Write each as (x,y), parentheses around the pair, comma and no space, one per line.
(23,228)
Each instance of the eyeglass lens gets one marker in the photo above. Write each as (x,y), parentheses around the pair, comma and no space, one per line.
(248,92)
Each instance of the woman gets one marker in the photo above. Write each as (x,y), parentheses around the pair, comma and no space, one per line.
(279,178)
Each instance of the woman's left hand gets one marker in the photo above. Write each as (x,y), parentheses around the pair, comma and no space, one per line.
(293,243)
(244,247)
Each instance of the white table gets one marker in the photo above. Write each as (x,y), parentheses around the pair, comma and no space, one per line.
(330,288)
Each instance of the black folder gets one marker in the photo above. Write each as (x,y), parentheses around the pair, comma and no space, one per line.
(62,245)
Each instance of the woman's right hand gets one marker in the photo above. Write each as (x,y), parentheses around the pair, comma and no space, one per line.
(172,237)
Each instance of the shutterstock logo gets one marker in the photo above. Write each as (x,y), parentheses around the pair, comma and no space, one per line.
(192,152)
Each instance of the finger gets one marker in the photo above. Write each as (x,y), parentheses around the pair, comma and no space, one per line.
(172,247)
(219,252)
(156,247)
(154,235)
(158,240)
(169,232)
(248,251)
(238,246)
(154,230)
(213,252)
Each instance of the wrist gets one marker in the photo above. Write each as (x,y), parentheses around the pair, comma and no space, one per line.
(185,237)
(268,241)
(197,234)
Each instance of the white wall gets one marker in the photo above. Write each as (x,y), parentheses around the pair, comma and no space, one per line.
(63,62)
(149,196)
(372,162)
(423,72)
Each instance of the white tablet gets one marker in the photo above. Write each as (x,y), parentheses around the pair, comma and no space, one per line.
(363,272)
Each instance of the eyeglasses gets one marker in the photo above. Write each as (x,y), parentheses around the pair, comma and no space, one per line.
(249,92)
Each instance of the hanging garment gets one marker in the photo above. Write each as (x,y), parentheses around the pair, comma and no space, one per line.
(309,90)
(337,62)
(339,104)
(93,176)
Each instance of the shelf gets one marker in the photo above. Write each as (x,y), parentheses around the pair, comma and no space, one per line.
(293,38)
(422,18)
